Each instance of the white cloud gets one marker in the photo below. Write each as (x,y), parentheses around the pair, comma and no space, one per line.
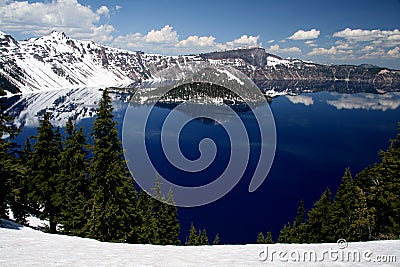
(194,40)
(103,11)
(128,41)
(118,7)
(395,52)
(369,44)
(244,41)
(271,41)
(166,41)
(344,45)
(373,54)
(301,99)
(100,34)
(165,35)
(360,35)
(289,50)
(367,48)
(311,43)
(323,51)
(305,35)
(69,16)
(155,41)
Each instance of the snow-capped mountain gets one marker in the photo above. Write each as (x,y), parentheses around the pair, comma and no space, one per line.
(56,61)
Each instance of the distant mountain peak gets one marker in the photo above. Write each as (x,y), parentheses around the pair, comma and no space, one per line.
(7,40)
(57,34)
(54,36)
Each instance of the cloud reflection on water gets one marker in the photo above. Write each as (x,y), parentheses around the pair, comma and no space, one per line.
(388,101)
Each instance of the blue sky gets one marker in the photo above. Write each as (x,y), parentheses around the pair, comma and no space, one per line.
(339,31)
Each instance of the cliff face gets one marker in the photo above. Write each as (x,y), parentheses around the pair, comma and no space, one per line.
(56,61)
(254,56)
(266,69)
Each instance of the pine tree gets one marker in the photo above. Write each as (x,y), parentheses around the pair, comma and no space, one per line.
(284,235)
(343,205)
(318,224)
(45,172)
(193,238)
(260,238)
(8,168)
(216,240)
(171,222)
(386,191)
(298,232)
(203,239)
(74,182)
(363,221)
(300,214)
(18,201)
(159,213)
(166,218)
(113,195)
(146,218)
(268,238)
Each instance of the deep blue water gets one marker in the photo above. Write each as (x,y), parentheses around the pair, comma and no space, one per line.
(317,138)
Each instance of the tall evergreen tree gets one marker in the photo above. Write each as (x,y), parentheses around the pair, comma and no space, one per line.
(203,238)
(8,168)
(284,234)
(295,233)
(260,238)
(19,202)
(268,238)
(159,213)
(363,222)
(74,182)
(193,238)
(167,226)
(113,195)
(146,218)
(167,219)
(318,225)
(298,232)
(343,205)
(45,172)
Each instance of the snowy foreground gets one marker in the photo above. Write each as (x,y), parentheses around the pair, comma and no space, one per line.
(23,246)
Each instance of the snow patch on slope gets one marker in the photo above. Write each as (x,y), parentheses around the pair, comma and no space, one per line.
(231,76)
(273,61)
